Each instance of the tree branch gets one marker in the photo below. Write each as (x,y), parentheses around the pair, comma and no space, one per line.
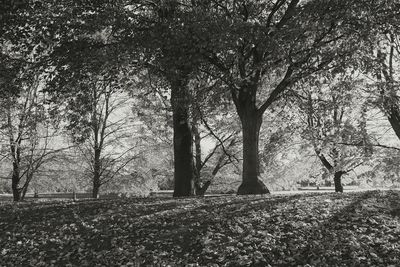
(285,83)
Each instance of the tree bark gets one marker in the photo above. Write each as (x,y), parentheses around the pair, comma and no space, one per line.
(394,119)
(251,123)
(201,190)
(338,181)
(15,182)
(96,190)
(197,156)
(25,187)
(337,177)
(96,174)
(183,146)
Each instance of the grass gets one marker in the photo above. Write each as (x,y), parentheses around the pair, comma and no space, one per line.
(350,229)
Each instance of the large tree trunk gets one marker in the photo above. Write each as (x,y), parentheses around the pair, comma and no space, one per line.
(15,180)
(15,183)
(183,152)
(96,190)
(338,181)
(251,123)
(96,173)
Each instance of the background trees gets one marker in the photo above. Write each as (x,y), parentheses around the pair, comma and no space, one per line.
(91,95)
(26,127)
(29,133)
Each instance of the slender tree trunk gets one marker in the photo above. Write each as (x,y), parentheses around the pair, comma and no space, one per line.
(24,190)
(199,190)
(197,156)
(338,181)
(202,190)
(183,143)
(337,177)
(96,173)
(251,123)
(29,176)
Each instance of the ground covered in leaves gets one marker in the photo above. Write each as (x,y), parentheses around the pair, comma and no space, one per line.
(358,229)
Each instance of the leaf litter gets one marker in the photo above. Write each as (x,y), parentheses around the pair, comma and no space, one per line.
(358,229)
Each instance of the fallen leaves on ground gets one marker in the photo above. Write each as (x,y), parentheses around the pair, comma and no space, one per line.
(356,229)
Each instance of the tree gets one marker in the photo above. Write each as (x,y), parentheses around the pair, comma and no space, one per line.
(272,45)
(27,127)
(170,54)
(30,135)
(336,121)
(90,81)
(101,134)
(214,134)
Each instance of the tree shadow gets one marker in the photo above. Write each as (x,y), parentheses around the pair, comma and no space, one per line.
(394,203)
(284,229)
(352,236)
(184,233)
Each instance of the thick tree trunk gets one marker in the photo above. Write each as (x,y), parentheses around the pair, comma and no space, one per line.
(183,152)
(96,190)
(338,181)
(15,183)
(16,194)
(251,123)
(96,174)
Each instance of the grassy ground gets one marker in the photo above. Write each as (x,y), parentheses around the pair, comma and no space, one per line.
(350,229)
